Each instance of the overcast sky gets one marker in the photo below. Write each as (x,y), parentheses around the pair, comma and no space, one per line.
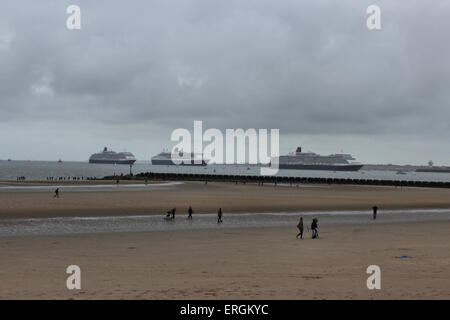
(139,69)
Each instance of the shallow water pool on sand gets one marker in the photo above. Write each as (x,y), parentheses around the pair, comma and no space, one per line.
(151,223)
(83,187)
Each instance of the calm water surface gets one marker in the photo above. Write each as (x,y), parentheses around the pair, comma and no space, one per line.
(38,170)
(152,223)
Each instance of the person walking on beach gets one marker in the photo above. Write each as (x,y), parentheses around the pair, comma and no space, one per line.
(219,216)
(173,213)
(314,227)
(300,228)
(375,209)
(190,211)
(56,193)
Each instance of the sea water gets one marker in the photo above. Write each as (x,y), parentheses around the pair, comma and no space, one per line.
(40,170)
(155,223)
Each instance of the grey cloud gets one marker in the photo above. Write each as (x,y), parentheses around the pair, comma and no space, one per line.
(306,67)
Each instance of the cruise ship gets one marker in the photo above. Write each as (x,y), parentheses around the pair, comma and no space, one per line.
(111,157)
(313,161)
(165,158)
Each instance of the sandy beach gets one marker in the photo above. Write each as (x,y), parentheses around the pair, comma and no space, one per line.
(142,200)
(267,263)
(219,262)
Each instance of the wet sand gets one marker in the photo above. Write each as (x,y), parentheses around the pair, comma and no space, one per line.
(233,264)
(112,200)
(223,262)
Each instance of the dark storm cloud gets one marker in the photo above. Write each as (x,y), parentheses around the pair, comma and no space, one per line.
(305,67)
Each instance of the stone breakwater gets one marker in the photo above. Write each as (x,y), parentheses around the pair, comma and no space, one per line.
(276,179)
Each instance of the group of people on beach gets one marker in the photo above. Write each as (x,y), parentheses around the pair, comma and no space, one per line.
(23,178)
(170,214)
(70,178)
(314,227)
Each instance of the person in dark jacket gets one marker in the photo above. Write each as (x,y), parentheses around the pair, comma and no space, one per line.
(219,216)
(314,227)
(375,209)
(300,228)
(173,213)
(56,193)
(190,211)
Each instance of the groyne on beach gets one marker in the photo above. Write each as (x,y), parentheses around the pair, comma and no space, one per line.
(277,179)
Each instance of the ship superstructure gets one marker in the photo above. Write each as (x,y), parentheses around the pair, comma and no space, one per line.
(112,157)
(185,159)
(313,161)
